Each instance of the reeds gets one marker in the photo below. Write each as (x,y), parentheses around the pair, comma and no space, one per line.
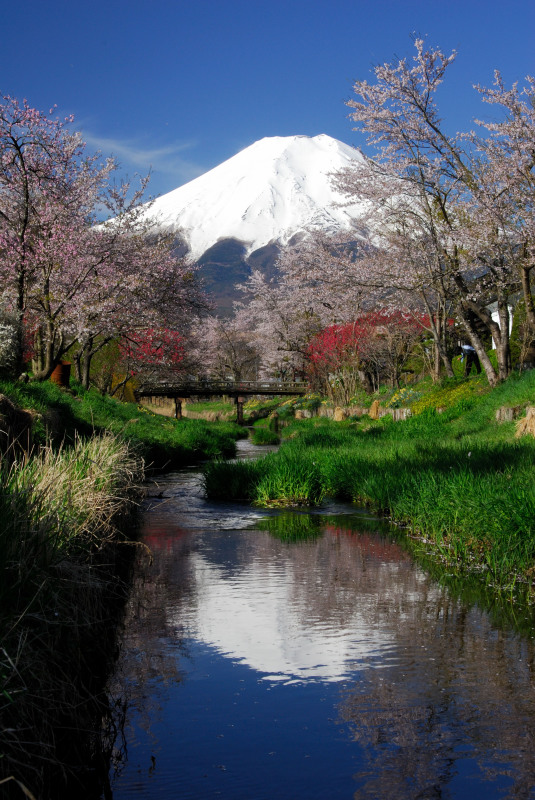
(233,480)
(271,481)
(291,481)
(62,516)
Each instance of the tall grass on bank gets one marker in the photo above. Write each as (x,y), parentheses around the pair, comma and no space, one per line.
(62,516)
(271,481)
(457,479)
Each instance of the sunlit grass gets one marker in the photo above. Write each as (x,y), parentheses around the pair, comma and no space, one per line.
(164,442)
(460,481)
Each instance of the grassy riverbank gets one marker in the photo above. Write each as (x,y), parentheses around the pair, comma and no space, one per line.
(68,532)
(455,477)
(162,442)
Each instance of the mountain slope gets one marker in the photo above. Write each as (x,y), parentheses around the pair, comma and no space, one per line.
(266,194)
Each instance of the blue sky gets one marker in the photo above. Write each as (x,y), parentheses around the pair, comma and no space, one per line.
(180,86)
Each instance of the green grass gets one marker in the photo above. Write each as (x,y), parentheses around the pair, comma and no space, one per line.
(460,481)
(235,480)
(163,442)
(276,480)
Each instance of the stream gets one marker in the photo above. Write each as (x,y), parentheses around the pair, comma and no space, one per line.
(306,654)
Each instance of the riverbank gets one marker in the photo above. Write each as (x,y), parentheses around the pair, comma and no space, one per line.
(451,474)
(71,479)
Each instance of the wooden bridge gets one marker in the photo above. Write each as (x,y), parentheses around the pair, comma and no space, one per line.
(180,391)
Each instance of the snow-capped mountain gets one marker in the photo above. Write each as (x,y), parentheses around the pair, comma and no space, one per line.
(266,194)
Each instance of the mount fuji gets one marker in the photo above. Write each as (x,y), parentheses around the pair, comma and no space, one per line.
(237,215)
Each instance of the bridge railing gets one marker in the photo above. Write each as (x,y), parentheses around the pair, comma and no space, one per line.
(221,387)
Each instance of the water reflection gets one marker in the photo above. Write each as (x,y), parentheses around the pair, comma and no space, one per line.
(277,614)
(327,655)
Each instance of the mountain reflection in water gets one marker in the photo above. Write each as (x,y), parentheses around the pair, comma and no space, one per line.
(326,665)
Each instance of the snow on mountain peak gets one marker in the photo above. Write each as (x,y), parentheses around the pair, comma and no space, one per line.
(268,192)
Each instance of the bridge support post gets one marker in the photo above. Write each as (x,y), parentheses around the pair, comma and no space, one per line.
(239,409)
(178,408)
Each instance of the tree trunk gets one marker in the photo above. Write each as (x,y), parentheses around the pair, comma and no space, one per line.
(49,350)
(86,369)
(437,326)
(77,366)
(444,354)
(435,369)
(499,333)
(503,351)
(478,346)
(86,354)
(528,298)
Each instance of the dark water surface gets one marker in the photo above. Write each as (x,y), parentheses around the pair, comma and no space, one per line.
(302,656)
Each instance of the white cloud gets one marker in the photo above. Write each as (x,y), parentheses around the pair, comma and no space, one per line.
(164,162)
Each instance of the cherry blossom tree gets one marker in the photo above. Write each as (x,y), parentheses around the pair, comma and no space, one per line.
(46,188)
(68,275)
(279,323)
(331,280)
(508,154)
(403,267)
(223,349)
(140,286)
(441,178)
(312,288)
